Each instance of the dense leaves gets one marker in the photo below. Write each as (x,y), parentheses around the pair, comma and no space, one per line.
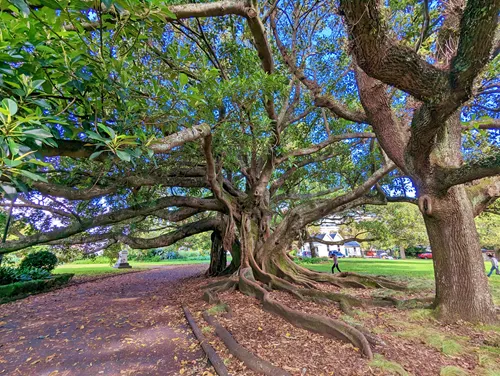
(39,260)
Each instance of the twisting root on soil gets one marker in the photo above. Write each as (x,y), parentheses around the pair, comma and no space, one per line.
(249,359)
(301,283)
(315,323)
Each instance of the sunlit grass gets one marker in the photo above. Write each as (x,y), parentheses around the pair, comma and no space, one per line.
(96,269)
(418,273)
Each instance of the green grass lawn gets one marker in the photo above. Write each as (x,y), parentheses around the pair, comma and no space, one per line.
(95,268)
(420,272)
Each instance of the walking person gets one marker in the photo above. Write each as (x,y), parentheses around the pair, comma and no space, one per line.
(494,265)
(335,263)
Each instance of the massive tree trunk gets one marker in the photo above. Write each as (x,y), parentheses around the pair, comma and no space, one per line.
(218,259)
(462,290)
(402,253)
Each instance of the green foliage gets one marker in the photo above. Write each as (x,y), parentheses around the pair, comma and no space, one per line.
(44,260)
(21,289)
(10,275)
(314,260)
(161,254)
(394,225)
(387,367)
(453,371)
(487,227)
(7,275)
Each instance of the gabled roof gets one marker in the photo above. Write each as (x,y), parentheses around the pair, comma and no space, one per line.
(319,236)
(352,244)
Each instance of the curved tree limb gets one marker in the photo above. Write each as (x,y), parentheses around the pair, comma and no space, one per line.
(109,219)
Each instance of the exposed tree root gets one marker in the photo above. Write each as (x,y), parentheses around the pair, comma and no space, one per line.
(249,359)
(315,323)
(216,361)
(210,295)
(285,275)
(291,271)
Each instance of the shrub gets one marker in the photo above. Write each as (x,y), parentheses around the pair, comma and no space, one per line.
(11,275)
(42,260)
(314,260)
(19,289)
(7,275)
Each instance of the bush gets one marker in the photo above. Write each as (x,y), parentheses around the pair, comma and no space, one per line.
(23,288)
(7,275)
(11,275)
(42,260)
(314,260)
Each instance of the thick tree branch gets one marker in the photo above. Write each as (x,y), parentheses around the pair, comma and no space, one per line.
(482,168)
(386,60)
(482,193)
(81,149)
(477,32)
(110,219)
(391,134)
(203,225)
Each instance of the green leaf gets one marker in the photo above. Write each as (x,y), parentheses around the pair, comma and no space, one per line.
(107,3)
(10,105)
(123,155)
(183,79)
(38,133)
(96,154)
(96,136)
(22,6)
(12,162)
(33,176)
(107,129)
(52,4)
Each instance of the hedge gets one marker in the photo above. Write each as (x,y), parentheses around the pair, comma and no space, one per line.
(30,287)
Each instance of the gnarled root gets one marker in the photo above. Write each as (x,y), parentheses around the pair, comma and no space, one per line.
(315,323)
(216,361)
(250,360)
(210,295)
(291,271)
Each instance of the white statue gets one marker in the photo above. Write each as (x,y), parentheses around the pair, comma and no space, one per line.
(122,261)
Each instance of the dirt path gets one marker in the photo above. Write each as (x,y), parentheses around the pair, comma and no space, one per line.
(125,325)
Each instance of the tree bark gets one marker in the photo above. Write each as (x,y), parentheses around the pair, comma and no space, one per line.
(313,250)
(462,291)
(218,259)
(402,253)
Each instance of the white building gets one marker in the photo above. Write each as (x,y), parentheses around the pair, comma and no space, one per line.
(321,248)
(353,249)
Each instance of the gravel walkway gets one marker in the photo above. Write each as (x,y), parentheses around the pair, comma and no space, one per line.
(130,324)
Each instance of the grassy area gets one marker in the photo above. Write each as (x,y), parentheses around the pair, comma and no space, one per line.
(95,269)
(415,271)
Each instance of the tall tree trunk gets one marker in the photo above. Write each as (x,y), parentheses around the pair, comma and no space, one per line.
(218,259)
(313,250)
(462,290)
(402,253)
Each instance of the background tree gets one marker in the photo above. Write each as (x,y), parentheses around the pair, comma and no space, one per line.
(415,99)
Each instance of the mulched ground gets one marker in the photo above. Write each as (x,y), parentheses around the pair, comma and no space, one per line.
(133,324)
(128,324)
(412,338)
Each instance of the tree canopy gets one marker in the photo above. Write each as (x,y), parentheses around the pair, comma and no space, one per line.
(250,120)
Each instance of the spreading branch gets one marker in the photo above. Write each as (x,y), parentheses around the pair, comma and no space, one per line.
(111,218)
